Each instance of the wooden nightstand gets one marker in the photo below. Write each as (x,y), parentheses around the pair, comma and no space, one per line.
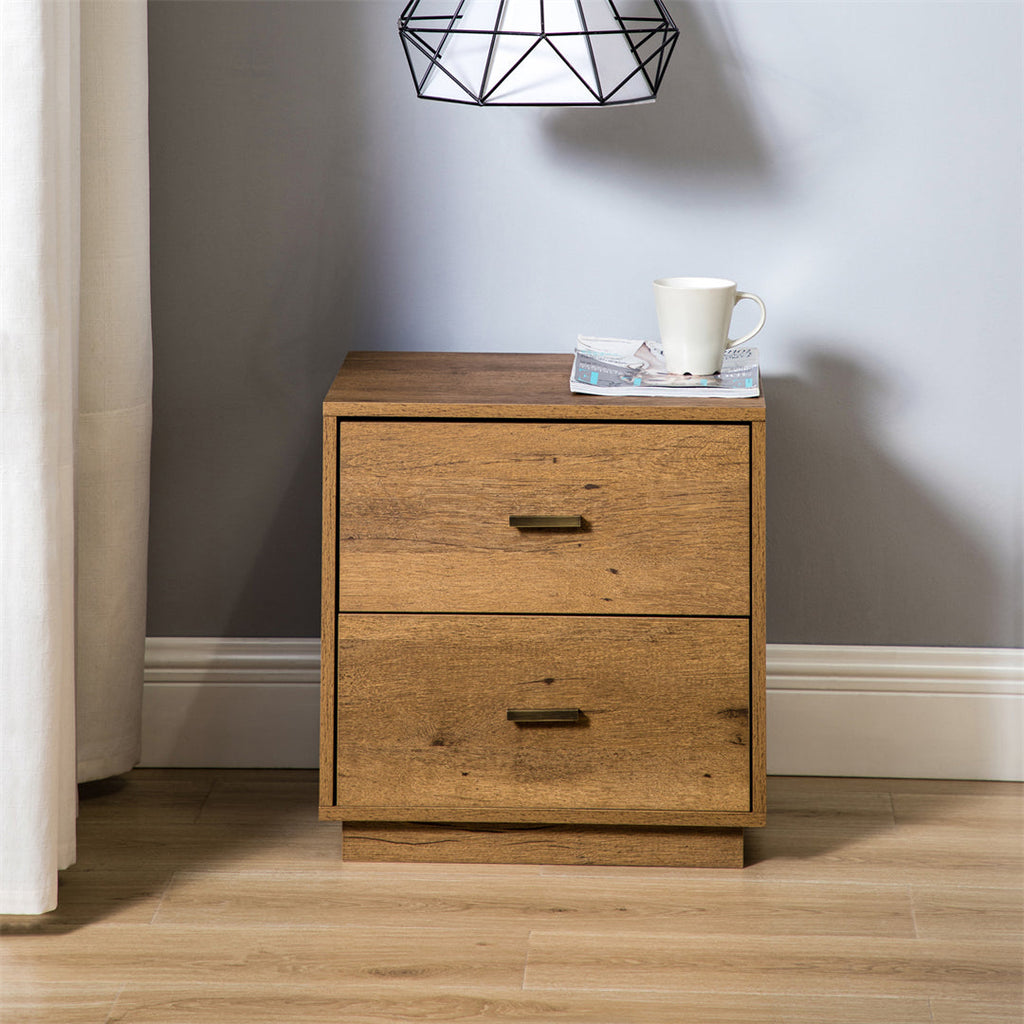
(543,617)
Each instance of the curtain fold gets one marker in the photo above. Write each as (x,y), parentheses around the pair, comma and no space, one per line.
(115,386)
(74,419)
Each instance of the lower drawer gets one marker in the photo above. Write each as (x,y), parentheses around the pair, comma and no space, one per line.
(423,732)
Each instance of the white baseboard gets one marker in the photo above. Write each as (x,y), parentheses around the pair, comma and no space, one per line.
(900,712)
(230,703)
(896,712)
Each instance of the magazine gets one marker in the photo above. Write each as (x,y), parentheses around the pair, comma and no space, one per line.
(623,367)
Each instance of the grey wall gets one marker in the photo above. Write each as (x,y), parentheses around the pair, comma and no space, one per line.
(857,164)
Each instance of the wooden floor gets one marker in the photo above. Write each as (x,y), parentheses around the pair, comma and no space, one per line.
(217,897)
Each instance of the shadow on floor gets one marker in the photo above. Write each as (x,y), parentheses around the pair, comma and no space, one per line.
(137,831)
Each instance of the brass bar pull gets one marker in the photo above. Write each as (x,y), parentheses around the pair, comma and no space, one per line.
(543,714)
(546,522)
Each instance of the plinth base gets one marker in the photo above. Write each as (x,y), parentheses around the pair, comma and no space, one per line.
(543,844)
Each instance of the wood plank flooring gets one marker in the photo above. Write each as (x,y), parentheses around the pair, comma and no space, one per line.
(215,897)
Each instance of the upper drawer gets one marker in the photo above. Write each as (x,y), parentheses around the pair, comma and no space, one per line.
(423,517)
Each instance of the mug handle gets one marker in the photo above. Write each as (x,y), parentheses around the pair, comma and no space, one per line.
(747,337)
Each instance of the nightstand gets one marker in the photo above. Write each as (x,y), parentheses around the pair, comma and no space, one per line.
(543,617)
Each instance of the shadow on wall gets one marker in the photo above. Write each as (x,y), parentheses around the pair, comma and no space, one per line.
(702,123)
(858,552)
(258,258)
(279,586)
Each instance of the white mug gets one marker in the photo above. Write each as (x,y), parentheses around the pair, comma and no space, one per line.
(694,314)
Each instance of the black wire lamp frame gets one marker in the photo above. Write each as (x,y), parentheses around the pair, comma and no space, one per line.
(650,40)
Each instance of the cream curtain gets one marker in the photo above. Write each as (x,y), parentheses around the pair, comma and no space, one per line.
(75,381)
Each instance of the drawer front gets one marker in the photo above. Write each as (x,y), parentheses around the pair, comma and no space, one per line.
(423,729)
(424,517)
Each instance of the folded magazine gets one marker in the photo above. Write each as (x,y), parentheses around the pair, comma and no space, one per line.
(623,367)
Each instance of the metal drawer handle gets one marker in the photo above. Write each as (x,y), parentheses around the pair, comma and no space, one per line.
(543,714)
(546,522)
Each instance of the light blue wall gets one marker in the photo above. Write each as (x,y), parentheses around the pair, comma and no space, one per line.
(857,164)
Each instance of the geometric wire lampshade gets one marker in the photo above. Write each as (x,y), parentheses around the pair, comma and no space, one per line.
(537,52)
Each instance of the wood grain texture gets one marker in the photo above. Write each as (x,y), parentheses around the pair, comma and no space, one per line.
(297,1004)
(650,903)
(448,615)
(28,997)
(505,385)
(758,624)
(243,955)
(967,913)
(956,1011)
(328,604)
(422,702)
(217,898)
(548,844)
(909,968)
(423,523)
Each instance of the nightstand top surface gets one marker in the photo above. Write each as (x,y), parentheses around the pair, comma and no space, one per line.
(499,385)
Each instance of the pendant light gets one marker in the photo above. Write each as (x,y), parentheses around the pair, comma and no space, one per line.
(537,52)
